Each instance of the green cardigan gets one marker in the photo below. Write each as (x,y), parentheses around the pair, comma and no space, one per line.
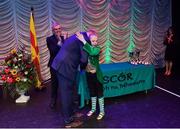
(94,59)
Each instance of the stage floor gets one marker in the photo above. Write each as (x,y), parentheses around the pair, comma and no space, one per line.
(159,108)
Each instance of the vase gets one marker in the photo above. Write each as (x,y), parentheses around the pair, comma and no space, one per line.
(23,98)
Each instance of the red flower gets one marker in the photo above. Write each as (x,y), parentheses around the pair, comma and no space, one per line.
(7,58)
(31,77)
(9,80)
(28,66)
(3,77)
(6,70)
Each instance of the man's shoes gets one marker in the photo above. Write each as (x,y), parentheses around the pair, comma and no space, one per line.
(74,124)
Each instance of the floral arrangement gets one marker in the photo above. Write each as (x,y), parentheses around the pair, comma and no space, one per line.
(19,71)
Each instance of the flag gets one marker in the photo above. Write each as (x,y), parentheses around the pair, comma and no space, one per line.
(35,50)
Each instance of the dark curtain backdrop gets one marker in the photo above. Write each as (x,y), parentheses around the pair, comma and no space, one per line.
(122,24)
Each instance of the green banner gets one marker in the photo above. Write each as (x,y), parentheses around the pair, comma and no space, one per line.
(120,79)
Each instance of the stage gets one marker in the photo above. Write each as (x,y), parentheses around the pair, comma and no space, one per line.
(156,109)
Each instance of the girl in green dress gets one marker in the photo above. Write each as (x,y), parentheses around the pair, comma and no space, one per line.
(94,74)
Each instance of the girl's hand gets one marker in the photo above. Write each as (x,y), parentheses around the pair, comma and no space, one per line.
(80,37)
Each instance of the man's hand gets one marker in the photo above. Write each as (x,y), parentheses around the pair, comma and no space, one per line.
(66,35)
(80,37)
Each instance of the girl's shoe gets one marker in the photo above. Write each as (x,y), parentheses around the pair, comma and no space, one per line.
(90,113)
(100,116)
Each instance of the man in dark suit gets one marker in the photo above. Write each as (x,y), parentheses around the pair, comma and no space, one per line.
(66,64)
(54,43)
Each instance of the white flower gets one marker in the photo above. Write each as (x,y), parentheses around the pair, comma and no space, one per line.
(20,55)
(15,59)
(26,72)
(16,67)
(25,79)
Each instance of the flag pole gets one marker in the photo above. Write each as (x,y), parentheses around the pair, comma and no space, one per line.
(35,50)
(32,11)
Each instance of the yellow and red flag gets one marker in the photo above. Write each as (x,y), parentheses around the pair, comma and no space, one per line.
(35,51)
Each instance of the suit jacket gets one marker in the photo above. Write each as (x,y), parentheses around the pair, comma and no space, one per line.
(52,44)
(70,57)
